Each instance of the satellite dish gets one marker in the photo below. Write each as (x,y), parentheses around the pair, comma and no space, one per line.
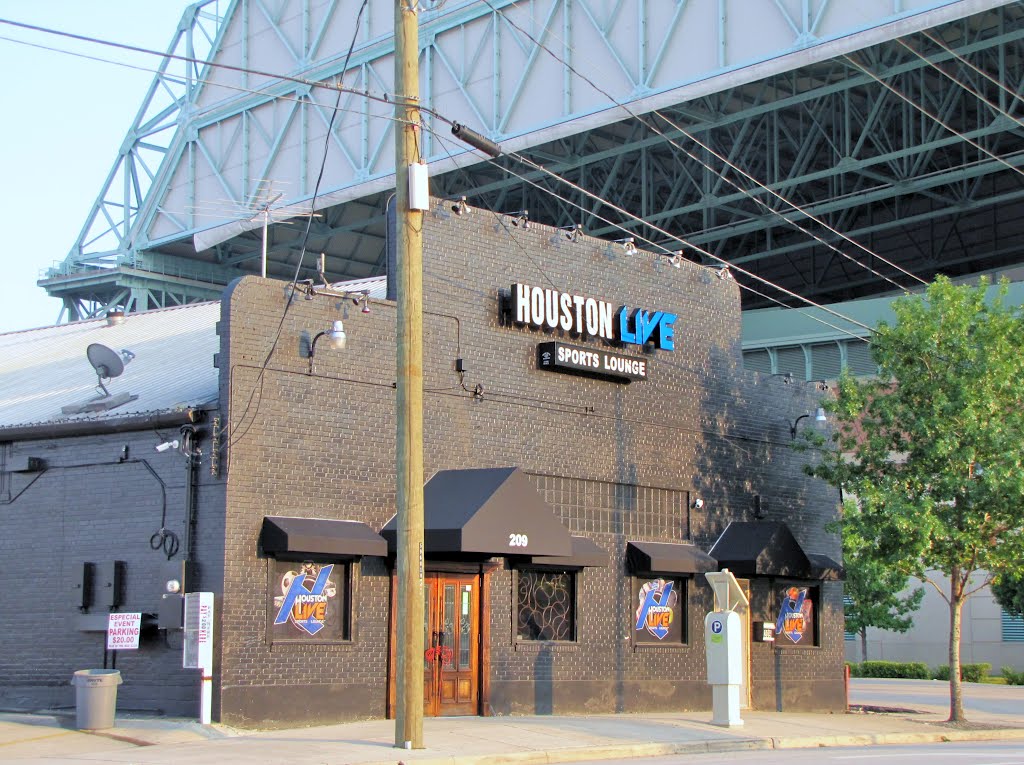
(107,363)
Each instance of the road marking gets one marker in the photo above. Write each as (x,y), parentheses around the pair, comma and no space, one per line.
(958,754)
(35,738)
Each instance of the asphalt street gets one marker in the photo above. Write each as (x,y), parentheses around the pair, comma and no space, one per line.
(932,694)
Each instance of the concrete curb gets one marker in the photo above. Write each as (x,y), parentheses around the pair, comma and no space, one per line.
(627,751)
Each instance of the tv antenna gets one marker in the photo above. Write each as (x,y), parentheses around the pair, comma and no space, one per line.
(258,212)
(107,363)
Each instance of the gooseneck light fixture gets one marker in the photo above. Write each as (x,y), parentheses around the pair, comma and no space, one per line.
(819,416)
(336,339)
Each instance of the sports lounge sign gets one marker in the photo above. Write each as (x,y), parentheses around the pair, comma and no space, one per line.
(550,309)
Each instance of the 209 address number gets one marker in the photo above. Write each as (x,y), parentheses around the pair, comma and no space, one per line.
(518,540)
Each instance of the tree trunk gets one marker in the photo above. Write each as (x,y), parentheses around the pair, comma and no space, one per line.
(863,644)
(956,602)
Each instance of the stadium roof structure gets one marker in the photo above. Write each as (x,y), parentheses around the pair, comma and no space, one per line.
(825,150)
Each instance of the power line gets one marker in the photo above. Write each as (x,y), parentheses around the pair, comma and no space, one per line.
(530,163)
(976,93)
(211,83)
(938,120)
(675,238)
(339,87)
(726,162)
(305,240)
(384,98)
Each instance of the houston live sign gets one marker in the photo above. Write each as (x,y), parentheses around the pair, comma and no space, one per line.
(546,308)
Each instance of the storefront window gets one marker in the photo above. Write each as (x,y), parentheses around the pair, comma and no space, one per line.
(796,619)
(309,602)
(546,605)
(658,616)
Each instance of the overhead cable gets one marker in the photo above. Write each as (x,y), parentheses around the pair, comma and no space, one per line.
(730,164)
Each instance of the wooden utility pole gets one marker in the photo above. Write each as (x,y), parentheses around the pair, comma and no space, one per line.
(409,244)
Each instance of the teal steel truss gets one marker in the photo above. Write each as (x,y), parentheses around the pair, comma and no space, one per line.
(894,122)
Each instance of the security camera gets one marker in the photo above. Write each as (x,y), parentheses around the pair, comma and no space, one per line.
(167,445)
(698,503)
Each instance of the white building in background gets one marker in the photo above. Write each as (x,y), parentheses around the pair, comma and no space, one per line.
(989,634)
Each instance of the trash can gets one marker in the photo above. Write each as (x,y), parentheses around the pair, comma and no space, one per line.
(95,697)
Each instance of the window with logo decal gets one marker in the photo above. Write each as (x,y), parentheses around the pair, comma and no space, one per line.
(796,620)
(658,612)
(309,602)
(545,605)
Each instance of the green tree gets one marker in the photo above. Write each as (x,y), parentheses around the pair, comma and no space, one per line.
(872,591)
(909,445)
(1009,591)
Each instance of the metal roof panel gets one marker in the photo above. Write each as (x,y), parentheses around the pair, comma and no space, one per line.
(43,370)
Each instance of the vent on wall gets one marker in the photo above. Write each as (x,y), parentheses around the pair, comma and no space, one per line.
(25,464)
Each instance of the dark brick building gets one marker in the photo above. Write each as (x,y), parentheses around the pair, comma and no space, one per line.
(283,478)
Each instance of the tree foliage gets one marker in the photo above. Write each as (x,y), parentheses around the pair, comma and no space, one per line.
(1009,591)
(909,445)
(873,590)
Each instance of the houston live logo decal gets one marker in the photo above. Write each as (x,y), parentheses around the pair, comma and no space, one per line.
(656,611)
(306,596)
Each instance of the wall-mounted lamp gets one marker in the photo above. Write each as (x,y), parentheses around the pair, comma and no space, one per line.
(697,503)
(628,244)
(359,298)
(460,207)
(676,259)
(167,445)
(114,318)
(336,339)
(572,233)
(819,416)
(520,219)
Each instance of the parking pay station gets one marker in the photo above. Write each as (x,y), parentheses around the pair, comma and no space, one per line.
(722,639)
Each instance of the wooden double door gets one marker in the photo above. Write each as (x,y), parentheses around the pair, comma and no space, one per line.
(451,660)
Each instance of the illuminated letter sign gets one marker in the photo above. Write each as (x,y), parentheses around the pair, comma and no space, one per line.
(549,309)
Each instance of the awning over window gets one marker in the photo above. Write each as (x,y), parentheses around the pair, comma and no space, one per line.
(585,554)
(768,548)
(668,558)
(824,567)
(284,536)
(486,511)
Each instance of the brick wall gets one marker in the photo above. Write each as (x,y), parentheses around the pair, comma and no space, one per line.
(97,501)
(615,462)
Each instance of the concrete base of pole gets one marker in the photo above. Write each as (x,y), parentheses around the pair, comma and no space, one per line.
(725,706)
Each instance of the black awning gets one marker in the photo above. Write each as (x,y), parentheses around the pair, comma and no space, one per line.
(293,537)
(486,511)
(668,558)
(585,554)
(824,567)
(761,548)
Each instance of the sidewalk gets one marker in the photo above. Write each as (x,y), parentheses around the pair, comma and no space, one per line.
(49,738)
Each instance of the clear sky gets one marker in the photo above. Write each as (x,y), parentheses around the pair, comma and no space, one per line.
(64,119)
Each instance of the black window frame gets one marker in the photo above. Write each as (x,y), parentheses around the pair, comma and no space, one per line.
(526,640)
(814,590)
(684,587)
(345,634)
